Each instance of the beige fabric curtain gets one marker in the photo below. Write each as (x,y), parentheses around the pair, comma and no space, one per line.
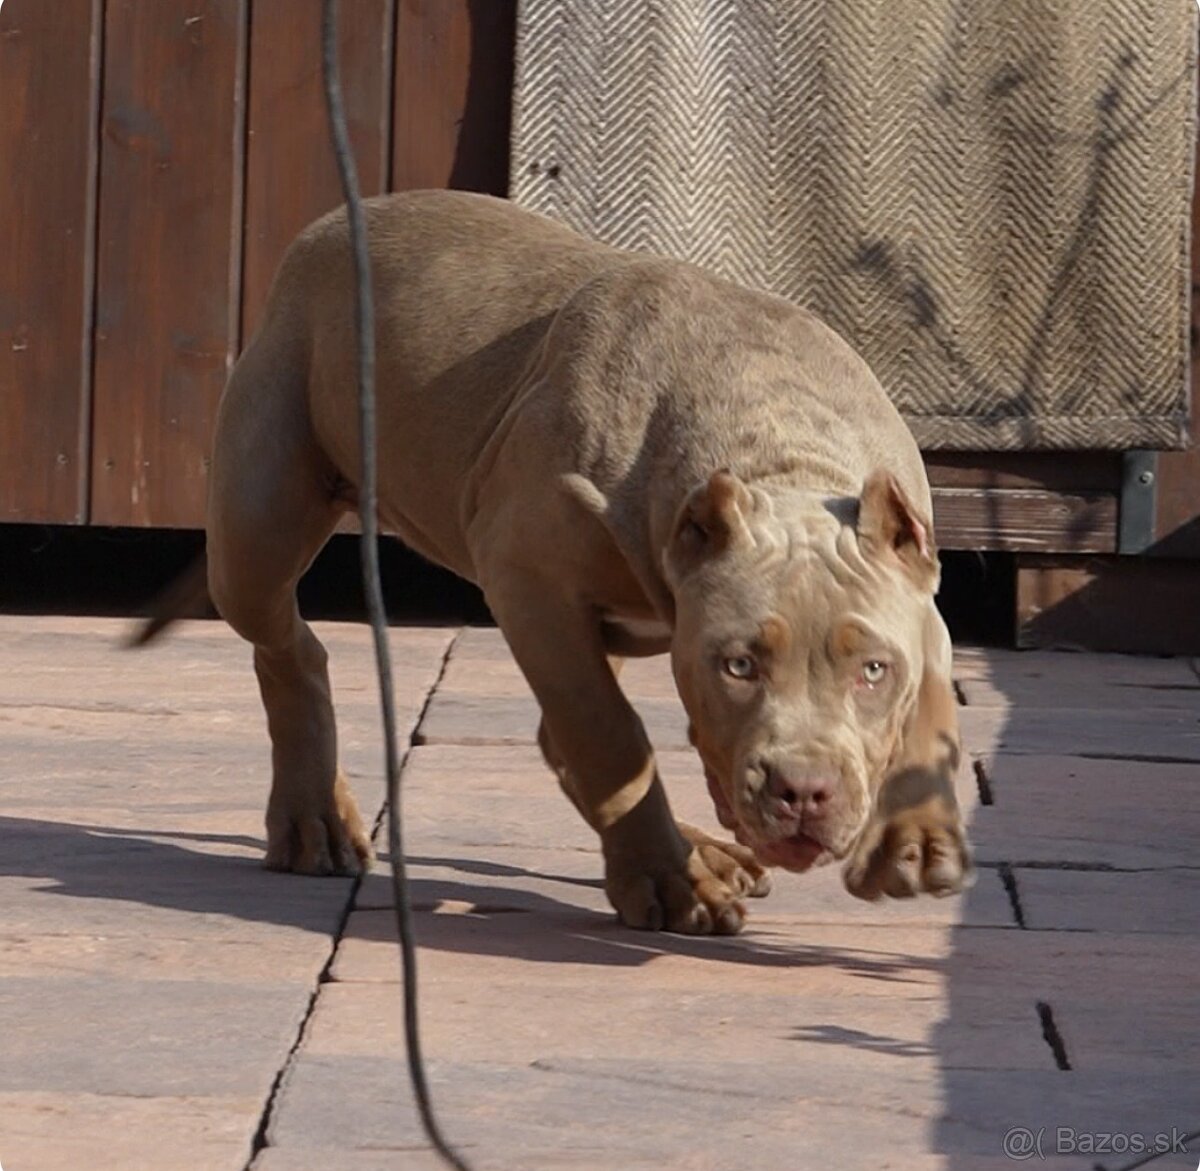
(989,198)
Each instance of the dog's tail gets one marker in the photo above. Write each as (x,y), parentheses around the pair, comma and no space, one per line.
(185,597)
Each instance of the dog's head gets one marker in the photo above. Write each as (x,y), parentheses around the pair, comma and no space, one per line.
(805,643)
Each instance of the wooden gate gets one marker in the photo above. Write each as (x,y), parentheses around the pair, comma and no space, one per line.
(156,157)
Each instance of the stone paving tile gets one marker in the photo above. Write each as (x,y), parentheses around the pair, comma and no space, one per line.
(153,977)
(248,960)
(95,876)
(143,950)
(1166,901)
(1055,677)
(829,958)
(506,794)
(490,1157)
(797,991)
(112,1034)
(492,718)
(614,1112)
(1132,732)
(551,882)
(1063,809)
(988,1104)
(488,824)
(42,1131)
(1119,1002)
(619,1113)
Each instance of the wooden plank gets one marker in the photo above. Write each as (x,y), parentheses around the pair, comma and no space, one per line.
(49,85)
(454,77)
(169,256)
(291,176)
(1136,605)
(1024,520)
(1052,471)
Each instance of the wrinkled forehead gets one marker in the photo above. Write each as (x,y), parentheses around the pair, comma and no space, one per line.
(814,589)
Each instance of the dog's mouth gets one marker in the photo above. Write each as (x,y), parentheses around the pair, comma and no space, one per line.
(797,851)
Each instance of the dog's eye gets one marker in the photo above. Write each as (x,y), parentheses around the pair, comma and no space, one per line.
(741,667)
(873,672)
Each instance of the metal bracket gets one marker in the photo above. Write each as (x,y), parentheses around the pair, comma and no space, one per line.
(1139,492)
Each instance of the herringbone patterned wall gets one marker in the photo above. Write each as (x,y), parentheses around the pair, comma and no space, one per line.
(989,198)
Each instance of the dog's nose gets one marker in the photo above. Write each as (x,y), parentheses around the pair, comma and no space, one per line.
(805,793)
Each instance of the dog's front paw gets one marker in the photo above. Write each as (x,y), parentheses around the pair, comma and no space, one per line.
(734,865)
(318,841)
(914,843)
(689,898)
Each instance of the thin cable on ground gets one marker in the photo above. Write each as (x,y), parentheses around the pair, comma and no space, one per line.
(372,585)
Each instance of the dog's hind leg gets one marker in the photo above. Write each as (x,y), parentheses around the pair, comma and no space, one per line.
(271,509)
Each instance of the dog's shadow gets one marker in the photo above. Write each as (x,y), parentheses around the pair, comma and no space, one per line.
(206,875)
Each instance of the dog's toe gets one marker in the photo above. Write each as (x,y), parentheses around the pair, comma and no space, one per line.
(693,901)
(917,852)
(734,864)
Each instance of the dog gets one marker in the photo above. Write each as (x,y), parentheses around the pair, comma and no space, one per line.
(630,457)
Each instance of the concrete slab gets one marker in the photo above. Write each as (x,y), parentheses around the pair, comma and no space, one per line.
(43,1131)
(1166,901)
(1100,813)
(153,979)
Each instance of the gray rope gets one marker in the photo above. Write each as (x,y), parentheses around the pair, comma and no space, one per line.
(372,585)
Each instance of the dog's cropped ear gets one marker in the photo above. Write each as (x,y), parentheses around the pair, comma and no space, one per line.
(711,520)
(889,526)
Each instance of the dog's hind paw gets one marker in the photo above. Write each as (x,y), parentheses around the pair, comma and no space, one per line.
(333,841)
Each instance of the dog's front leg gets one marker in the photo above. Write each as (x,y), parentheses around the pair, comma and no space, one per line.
(654,877)
(915,841)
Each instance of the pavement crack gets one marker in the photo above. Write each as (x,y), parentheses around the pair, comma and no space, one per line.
(1085,867)
(1009,879)
(325,976)
(417,738)
(1141,757)
(443,667)
(960,694)
(98,708)
(1052,1036)
(260,1140)
(983,782)
(629,1078)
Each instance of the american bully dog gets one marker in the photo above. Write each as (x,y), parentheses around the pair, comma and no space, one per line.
(630,457)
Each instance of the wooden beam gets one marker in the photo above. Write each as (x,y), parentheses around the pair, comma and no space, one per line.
(1024,520)
(49,95)
(169,254)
